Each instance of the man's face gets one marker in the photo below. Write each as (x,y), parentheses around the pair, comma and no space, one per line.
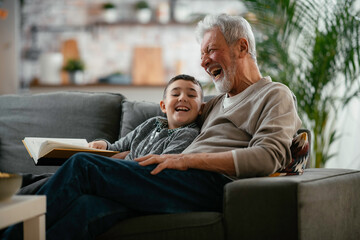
(217,60)
(182,104)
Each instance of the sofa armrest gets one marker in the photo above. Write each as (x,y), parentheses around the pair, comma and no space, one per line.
(320,204)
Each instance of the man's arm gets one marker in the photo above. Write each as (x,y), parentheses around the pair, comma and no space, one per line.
(221,162)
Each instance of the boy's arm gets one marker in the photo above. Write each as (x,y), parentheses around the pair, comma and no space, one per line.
(124,143)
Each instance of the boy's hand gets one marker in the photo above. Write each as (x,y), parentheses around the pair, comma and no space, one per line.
(98,144)
(171,161)
(120,155)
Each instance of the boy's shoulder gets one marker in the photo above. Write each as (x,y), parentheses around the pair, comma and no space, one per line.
(156,119)
(190,130)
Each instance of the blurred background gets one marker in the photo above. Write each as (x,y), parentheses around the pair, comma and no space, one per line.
(135,47)
(140,42)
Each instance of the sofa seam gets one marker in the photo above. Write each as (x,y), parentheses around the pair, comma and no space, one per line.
(329,177)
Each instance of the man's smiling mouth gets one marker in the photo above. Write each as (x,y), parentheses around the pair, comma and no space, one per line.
(215,72)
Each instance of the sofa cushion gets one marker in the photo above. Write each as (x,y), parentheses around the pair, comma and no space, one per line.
(195,225)
(319,204)
(59,114)
(135,113)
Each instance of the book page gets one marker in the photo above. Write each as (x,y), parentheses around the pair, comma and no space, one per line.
(33,146)
(49,144)
(36,144)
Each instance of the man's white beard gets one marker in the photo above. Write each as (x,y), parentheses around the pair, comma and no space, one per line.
(223,85)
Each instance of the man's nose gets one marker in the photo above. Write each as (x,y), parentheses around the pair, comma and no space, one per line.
(205,60)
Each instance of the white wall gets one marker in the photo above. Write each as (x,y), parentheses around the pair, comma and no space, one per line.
(9,48)
(347,148)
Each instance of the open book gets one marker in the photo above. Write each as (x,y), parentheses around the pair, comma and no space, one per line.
(55,151)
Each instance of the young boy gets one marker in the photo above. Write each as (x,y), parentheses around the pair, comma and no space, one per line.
(182,103)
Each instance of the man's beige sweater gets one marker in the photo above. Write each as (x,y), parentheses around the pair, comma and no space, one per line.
(258,127)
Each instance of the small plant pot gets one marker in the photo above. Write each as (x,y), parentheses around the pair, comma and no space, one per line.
(76,77)
(143,15)
(110,15)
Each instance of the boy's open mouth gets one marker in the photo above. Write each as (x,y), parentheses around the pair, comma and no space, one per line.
(184,109)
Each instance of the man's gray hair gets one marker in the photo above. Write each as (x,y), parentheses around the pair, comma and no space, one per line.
(232,27)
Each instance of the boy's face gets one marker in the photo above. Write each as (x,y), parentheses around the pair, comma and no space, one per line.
(182,104)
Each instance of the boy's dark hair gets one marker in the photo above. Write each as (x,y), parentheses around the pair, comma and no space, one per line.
(186,78)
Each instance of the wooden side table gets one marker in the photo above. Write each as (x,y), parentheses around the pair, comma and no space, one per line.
(28,209)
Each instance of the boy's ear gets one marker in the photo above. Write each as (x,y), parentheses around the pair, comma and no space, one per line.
(162,106)
(201,108)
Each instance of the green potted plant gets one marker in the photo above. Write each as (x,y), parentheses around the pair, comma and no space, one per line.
(109,12)
(143,11)
(314,49)
(108,5)
(75,69)
(142,5)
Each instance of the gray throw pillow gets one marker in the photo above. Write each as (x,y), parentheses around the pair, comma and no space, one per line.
(135,113)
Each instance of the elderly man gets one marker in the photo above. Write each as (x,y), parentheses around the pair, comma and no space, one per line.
(247,131)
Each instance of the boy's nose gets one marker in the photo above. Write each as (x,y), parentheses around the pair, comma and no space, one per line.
(182,98)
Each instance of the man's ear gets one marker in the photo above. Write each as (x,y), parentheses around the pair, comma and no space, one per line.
(201,108)
(163,106)
(242,47)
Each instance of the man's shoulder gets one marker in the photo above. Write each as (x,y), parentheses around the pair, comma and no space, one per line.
(209,106)
(277,89)
(215,99)
(273,92)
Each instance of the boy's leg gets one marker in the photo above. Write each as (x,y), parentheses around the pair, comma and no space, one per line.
(131,185)
(32,183)
(83,221)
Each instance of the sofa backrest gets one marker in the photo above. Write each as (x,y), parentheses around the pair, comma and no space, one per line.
(134,113)
(60,114)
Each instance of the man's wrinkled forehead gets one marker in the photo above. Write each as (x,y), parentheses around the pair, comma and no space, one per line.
(211,37)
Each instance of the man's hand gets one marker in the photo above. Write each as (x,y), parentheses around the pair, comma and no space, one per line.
(98,144)
(171,161)
(216,162)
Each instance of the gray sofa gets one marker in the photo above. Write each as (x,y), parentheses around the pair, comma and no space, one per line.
(320,204)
